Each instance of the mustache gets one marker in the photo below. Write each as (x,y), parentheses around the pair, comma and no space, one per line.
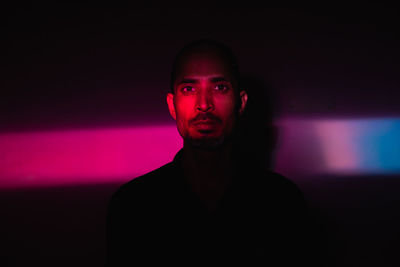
(205,116)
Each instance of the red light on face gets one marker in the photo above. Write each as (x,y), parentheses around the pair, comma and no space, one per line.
(205,126)
(204,101)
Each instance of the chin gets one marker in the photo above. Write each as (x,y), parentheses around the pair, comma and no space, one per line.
(206,143)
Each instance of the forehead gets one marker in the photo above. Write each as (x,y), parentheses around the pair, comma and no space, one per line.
(204,64)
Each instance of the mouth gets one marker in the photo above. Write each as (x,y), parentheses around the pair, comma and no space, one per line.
(205,126)
(204,122)
(206,119)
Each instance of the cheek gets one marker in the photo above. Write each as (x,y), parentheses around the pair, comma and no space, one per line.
(226,107)
(184,104)
(185,107)
(184,110)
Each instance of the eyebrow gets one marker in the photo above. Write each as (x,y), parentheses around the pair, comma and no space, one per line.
(213,79)
(219,79)
(188,81)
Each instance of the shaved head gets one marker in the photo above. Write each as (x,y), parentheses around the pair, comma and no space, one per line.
(206,99)
(205,48)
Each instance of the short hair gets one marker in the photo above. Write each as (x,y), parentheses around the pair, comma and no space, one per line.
(197,45)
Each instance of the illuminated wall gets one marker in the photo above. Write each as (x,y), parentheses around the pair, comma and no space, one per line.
(363,146)
(94,156)
(82,110)
(79,157)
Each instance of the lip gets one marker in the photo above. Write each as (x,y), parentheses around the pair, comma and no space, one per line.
(205,122)
(205,125)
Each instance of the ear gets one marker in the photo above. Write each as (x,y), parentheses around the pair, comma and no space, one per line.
(243,101)
(171,106)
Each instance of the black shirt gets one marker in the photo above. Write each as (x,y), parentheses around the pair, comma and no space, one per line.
(156,218)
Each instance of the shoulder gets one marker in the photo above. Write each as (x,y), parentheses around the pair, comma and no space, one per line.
(279,181)
(145,185)
(279,188)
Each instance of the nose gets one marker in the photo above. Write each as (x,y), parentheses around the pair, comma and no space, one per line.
(204,102)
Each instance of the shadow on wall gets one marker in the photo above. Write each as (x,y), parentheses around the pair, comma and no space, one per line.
(261,134)
(257,132)
(258,141)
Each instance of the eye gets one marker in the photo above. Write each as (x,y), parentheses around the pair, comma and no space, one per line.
(221,87)
(188,89)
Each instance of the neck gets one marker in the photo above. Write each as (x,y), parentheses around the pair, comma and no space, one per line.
(211,162)
(208,171)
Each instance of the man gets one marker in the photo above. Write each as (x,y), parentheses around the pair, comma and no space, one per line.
(211,204)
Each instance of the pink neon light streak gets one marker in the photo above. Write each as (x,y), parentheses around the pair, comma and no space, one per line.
(84,156)
(306,147)
(339,144)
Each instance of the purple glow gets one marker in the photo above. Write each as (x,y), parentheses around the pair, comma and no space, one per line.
(339,146)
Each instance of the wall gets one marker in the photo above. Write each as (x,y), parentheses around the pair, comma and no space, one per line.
(83,110)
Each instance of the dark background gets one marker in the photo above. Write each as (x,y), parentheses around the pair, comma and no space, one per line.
(72,67)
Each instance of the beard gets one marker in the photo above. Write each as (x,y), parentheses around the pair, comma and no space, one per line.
(208,138)
(206,143)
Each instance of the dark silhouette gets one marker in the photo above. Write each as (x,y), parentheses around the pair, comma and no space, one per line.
(218,202)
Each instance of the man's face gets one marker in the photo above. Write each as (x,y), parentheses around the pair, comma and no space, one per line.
(206,103)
